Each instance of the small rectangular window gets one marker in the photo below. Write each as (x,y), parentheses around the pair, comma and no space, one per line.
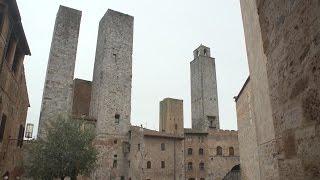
(115,164)
(211,120)
(163,165)
(117,118)
(163,147)
(138,147)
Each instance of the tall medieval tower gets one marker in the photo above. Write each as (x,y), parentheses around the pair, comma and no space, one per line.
(111,93)
(204,94)
(57,93)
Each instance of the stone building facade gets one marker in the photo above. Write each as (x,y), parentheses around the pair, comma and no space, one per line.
(14,101)
(282,40)
(128,152)
(204,94)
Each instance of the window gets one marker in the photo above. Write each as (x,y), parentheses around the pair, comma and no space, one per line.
(231,151)
(163,147)
(211,120)
(115,141)
(201,138)
(129,134)
(189,166)
(129,163)
(2,126)
(20,136)
(201,166)
(117,118)
(115,163)
(189,151)
(200,151)
(163,165)
(219,151)
(149,165)
(205,52)
(138,147)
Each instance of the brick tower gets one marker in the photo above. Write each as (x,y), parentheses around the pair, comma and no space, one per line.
(57,93)
(111,93)
(204,94)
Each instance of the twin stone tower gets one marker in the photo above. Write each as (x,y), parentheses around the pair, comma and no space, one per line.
(110,101)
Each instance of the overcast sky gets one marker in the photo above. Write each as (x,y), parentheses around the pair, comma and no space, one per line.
(165,34)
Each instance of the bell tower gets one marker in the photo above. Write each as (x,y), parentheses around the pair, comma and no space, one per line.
(204,94)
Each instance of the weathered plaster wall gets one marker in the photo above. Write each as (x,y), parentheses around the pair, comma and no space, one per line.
(260,91)
(57,93)
(248,145)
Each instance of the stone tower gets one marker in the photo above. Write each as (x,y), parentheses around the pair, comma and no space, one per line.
(204,95)
(57,93)
(171,116)
(111,93)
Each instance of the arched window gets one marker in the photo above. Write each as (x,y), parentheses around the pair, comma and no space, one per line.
(189,166)
(201,166)
(200,151)
(231,151)
(205,52)
(163,147)
(149,165)
(189,151)
(219,151)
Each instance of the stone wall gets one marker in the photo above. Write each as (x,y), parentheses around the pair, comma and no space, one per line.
(248,145)
(220,165)
(171,116)
(111,92)
(146,146)
(215,166)
(204,95)
(282,40)
(57,93)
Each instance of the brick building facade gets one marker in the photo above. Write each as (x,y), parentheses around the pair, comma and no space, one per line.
(14,100)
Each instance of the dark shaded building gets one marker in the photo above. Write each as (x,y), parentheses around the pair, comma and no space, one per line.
(14,100)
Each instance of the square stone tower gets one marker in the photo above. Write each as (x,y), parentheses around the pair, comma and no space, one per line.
(57,93)
(171,116)
(111,93)
(204,95)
